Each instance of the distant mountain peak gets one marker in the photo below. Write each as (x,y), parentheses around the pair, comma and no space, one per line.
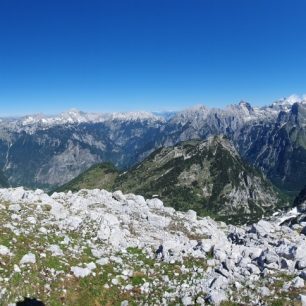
(245,104)
(287,102)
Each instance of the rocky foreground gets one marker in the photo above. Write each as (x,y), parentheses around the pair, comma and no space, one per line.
(99,248)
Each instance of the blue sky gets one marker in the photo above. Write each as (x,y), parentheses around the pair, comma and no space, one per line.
(154,55)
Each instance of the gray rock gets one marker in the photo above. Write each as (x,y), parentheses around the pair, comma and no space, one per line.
(155,203)
(216,297)
(219,282)
(270,257)
(286,251)
(298,282)
(262,228)
(191,215)
(14,207)
(264,291)
(253,269)
(187,300)
(301,264)
(303,274)
(28,258)
(303,299)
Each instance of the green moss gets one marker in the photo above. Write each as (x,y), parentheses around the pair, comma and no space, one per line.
(53,262)
(100,176)
(134,251)
(278,303)
(137,280)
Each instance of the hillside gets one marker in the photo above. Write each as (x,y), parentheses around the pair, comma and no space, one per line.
(206,176)
(100,176)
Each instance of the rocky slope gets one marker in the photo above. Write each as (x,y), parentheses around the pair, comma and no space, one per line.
(48,151)
(300,200)
(99,248)
(207,176)
(278,148)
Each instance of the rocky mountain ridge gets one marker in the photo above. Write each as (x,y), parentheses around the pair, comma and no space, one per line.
(110,248)
(207,176)
(243,110)
(30,123)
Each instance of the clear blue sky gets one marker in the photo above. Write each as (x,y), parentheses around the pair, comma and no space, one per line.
(148,54)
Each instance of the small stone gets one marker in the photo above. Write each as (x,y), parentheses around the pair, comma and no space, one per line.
(55,250)
(4,251)
(191,215)
(14,207)
(187,300)
(129,287)
(102,261)
(303,299)
(200,301)
(31,220)
(298,282)
(17,269)
(303,275)
(28,258)
(264,291)
(155,203)
(216,297)
(80,272)
(115,281)
(301,264)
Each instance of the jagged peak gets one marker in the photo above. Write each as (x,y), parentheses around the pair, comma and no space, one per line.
(287,102)
(245,104)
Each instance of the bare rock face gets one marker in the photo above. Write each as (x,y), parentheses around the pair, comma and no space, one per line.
(121,243)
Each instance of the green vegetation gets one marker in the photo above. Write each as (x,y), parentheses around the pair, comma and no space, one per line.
(3,181)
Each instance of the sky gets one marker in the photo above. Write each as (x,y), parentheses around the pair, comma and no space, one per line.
(153,55)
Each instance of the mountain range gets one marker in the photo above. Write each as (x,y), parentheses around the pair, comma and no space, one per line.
(48,151)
